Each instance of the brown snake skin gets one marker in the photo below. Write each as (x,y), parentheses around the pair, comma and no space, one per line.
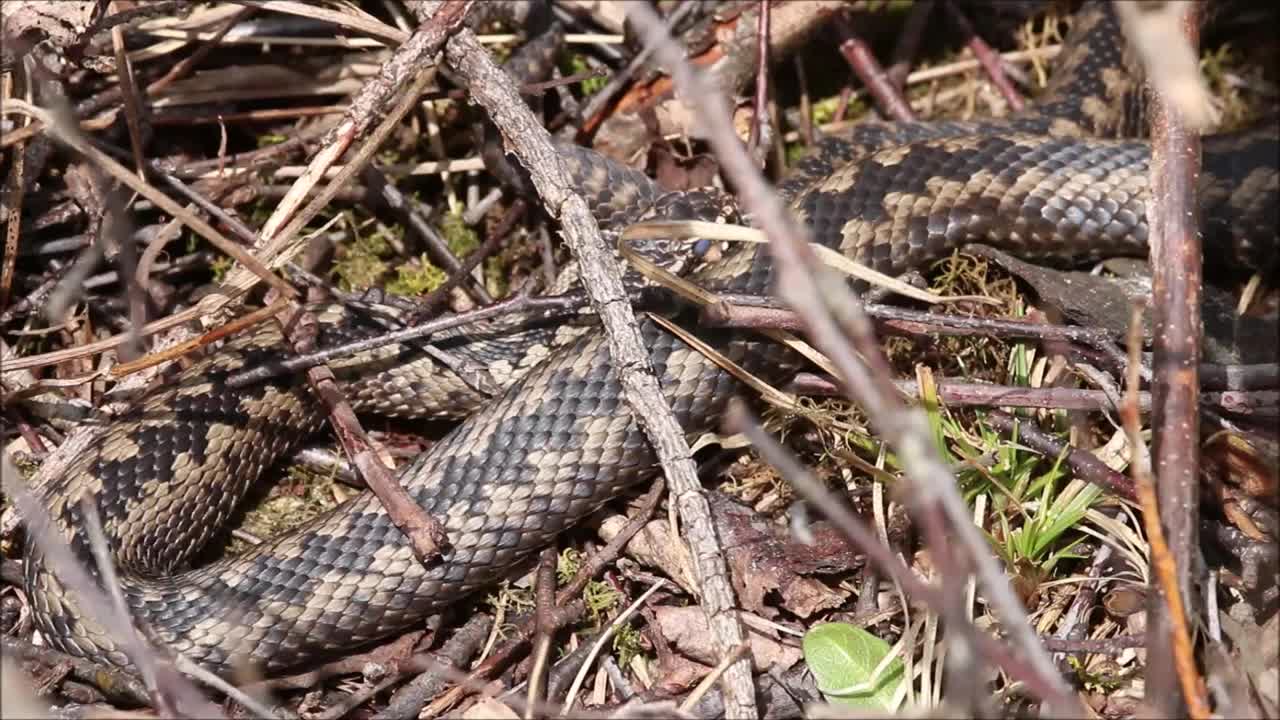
(560,442)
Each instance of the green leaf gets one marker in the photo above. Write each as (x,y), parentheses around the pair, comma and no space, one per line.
(844,658)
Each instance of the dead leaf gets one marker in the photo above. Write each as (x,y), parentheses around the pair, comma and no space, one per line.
(687,629)
(763,559)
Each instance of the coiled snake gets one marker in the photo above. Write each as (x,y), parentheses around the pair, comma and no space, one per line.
(560,441)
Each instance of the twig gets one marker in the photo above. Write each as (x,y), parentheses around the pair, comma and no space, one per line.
(761,119)
(863,63)
(425,533)
(129,93)
(1168,588)
(989,58)
(906,321)
(113,682)
(1177,277)
(1083,463)
(591,113)
(376,181)
(603,282)
(707,682)
(408,701)
(72,139)
(544,611)
(904,52)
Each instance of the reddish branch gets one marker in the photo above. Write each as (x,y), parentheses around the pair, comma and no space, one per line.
(1173,217)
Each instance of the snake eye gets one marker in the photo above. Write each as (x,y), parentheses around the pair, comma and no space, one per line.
(701,248)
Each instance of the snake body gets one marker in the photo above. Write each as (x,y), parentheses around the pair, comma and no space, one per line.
(560,440)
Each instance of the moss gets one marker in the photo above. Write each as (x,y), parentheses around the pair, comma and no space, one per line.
(416,277)
(577,63)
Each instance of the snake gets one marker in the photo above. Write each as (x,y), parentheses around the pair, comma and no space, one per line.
(556,440)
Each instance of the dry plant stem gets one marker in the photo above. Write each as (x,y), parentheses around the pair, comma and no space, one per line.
(863,62)
(762,80)
(989,58)
(409,700)
(591,113)
(14,193)
(411,216)
(817,495)
(176,351)
(425,533)
(1106,646)
(1075,622)
(707,682)
(906,321)
(963,394)
(904,53)
(808,286)
(436,297)
(603,283)
(1084,464)
(150,669)
(129,92)
(366,107)
(515,305)
(544,612)
(1177,276)
(1162,559)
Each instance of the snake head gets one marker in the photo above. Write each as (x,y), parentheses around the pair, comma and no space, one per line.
(707,204)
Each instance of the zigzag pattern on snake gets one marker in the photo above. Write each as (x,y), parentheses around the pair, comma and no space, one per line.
(560,442)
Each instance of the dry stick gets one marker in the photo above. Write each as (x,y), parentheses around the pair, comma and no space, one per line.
(14,194)
(990,59)
(116,684)
(129,92)
(603,282)
(591,114)
(907,432)
(409,700)
(1162,559)
(1177,276)
(762,79)
(915,322)
(863,63)
(544,612)
(908,42)
(409,214)
(707,682)
(425,534)
(1084,464)
(279,230)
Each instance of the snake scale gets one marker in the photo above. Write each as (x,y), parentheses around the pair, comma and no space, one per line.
(1057,183)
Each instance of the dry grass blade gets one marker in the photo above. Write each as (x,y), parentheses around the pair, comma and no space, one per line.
(360,22)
